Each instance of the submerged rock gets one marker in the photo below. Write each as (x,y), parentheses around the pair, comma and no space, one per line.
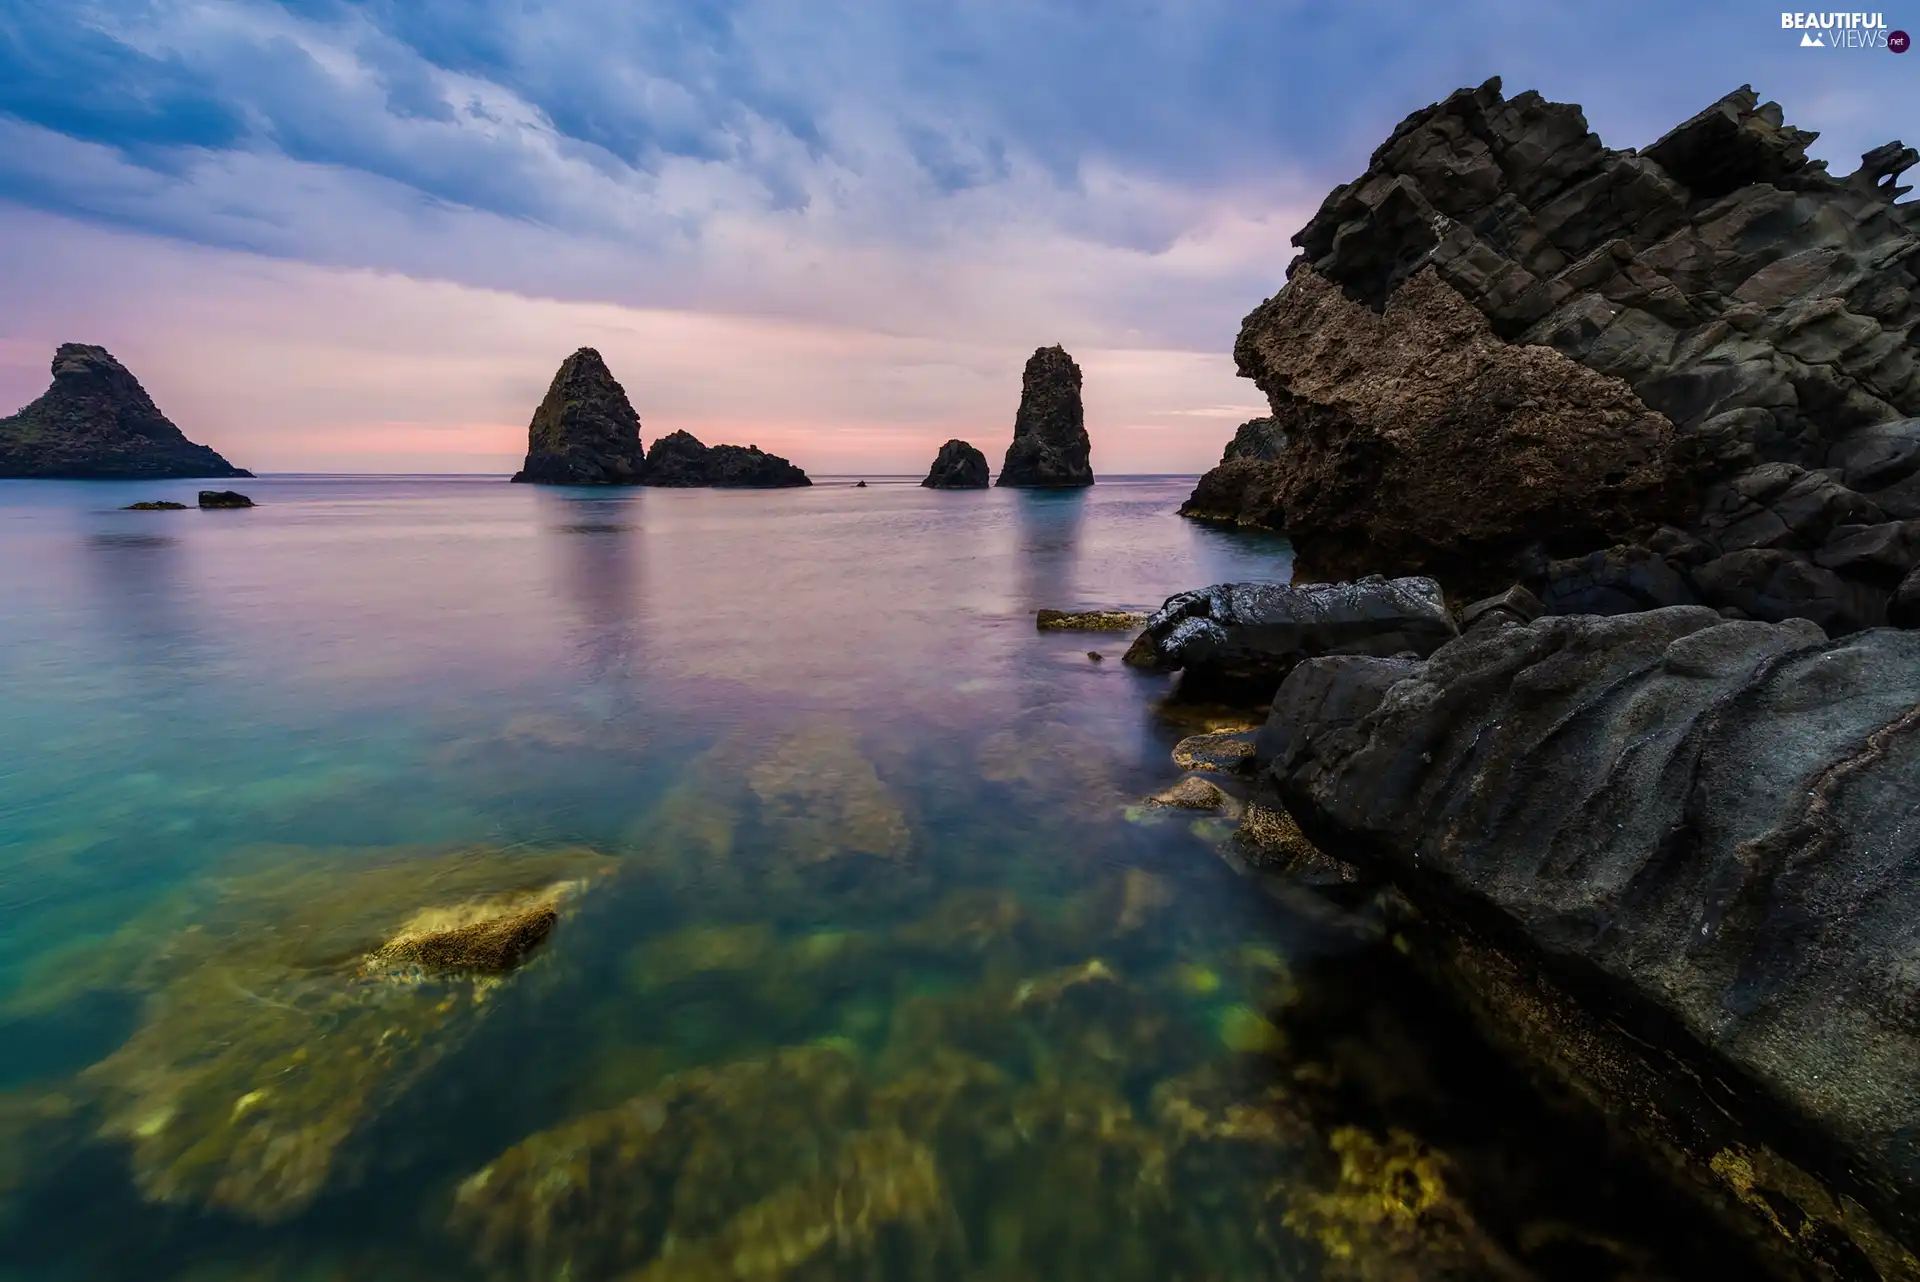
(1703,825)
(679,460)
(958,466)
(1087,620)
(585,431)
(224,498)
(97,422)
(1238,640)
(154,506)
(1050,448)
(286,1013)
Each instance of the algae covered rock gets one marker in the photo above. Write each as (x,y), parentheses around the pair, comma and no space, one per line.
(1050,448)
(97,422)
(301,1000)
(1088,620)
(585,431)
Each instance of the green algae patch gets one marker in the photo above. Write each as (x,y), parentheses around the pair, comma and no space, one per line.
(303,999)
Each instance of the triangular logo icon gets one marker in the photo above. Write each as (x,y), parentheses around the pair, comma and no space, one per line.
(1811,41)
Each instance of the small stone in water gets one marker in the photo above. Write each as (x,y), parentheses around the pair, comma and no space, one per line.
(1094,655)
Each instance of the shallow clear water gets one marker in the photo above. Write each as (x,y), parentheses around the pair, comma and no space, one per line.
(867,962)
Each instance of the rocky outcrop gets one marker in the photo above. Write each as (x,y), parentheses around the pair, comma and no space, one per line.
(1050,449)
(1418,441)
(224,498)
(958,466)
(586,431)
(1244,489)
(1703,827)
(679,460)
(97,423)
(1766,308)
(1238,640)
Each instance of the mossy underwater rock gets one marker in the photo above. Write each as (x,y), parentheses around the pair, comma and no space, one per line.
(1088,620)
(291,1009)
(585,431)
(95,423)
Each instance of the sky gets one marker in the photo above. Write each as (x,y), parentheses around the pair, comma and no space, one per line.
(360,235)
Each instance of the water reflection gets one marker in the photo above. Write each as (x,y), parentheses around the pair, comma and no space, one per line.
(594,540)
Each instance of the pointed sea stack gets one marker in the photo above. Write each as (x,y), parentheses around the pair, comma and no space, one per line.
(586,431)
(958,466)
(679,460)
(97,423)
(1050,447)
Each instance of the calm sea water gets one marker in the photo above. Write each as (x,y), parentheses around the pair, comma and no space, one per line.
(868,962)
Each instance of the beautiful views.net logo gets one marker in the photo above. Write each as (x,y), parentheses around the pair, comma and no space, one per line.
(1844,31)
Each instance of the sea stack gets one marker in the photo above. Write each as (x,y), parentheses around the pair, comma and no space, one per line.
(1050,447)
(97,423)
(958,466)
(679,460)
(586,431)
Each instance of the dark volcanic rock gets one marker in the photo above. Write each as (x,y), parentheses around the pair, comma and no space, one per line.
(1239,639)
(1244,489)
(224,498)
(152,505)
(1619,580)
(1765,307)
(97,422)
(1707,829)
(1050,449)
(586,431)
(958,466)
(1418,441)
(679,460)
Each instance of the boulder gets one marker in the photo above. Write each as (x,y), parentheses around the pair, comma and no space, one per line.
(1704,828)
(1241,492)
(97,423)
(1236,641)
(224,498)
(1618,580)
(585,431)
(958,466)
(1050,449)
(1762,309)
(1515,605)
(1775,584)
(679,460)
(1421,443)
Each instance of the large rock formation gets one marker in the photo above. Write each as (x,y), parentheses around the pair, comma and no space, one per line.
(97,422)
(678,460)
(1240,639)
(1706,830)
(1050,449)
(958,466)
(1244,490)
(586,431)
(1764,307)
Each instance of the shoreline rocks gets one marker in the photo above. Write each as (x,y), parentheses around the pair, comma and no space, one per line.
(97,423)
(1237,641)
(1087,620)
(1050,448)
(958,466)
(1695,824)
(585,431)
(1244,488)
(1718,282)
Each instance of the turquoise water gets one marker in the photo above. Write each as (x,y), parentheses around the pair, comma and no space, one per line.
(868,963)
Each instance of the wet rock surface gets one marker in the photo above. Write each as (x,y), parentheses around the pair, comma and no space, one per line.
(1087,620)
(679,460)
(958,466)
(585,431)
(1050,448)
(1240,639)
(97,423)
(1759,306)
(1703,825)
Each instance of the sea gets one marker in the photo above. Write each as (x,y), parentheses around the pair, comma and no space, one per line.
(437,878)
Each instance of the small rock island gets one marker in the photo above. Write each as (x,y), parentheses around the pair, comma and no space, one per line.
(958,466)
(586,432)
(1050,448)
(97,423)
